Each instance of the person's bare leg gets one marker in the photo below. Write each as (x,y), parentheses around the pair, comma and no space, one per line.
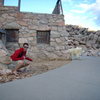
(19,66)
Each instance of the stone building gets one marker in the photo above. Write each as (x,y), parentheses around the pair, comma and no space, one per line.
(45,33)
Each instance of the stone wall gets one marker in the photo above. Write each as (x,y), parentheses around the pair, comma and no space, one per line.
(29,23)
(8,9)
(62,37)
(88,40)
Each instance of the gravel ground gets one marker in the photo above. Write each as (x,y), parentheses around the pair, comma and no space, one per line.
(36,67)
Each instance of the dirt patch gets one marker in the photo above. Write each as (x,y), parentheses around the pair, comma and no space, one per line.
(36,67)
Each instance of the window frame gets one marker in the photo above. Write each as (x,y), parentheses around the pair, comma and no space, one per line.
(12,37)
(43,36)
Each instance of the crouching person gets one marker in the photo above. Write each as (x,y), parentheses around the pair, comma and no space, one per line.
(20,57)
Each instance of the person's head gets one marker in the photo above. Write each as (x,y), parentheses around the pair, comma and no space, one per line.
(25,46)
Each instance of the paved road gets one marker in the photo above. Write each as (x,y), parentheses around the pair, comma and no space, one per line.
(79,80)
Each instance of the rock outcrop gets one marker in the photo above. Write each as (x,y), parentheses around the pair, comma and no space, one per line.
(4,59)
(88,40)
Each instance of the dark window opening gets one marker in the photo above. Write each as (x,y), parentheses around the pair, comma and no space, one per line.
(43,37)
(12,35)
(0,36)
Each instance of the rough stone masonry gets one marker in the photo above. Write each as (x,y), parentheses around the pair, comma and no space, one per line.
(28,24)
(88,40)
(62,37)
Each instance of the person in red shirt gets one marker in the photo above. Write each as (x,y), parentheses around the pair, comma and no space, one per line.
(20,56)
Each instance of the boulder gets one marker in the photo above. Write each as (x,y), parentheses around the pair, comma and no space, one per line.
(4,54)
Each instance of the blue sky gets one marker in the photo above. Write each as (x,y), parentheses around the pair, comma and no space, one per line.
(85,13)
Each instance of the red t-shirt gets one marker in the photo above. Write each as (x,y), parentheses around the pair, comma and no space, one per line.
(19,54)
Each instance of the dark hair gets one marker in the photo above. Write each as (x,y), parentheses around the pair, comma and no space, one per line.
(26,44)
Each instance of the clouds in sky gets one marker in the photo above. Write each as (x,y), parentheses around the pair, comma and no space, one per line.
(84,13)
(94,8)
(96,11)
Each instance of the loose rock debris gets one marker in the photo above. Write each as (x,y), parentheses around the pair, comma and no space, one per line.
(35,68)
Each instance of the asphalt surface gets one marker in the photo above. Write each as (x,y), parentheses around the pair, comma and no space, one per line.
(78,80)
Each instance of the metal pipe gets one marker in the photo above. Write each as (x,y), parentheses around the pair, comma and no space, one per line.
(19,3)
(3,2)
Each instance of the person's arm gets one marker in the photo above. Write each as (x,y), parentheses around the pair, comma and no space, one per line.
(28,58)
